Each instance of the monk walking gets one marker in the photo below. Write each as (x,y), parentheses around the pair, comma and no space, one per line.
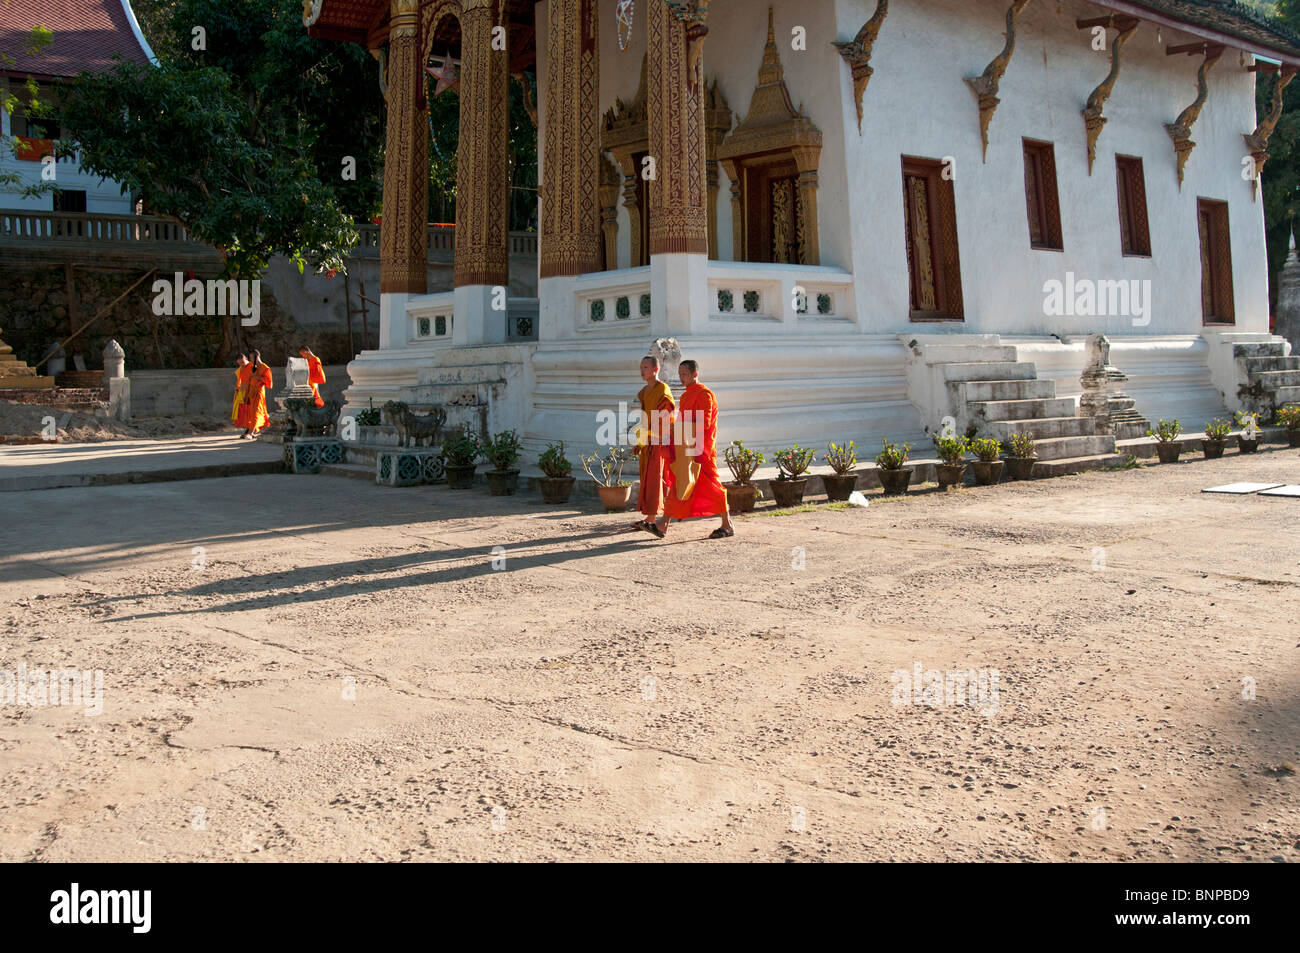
(694,487)
(315,373)
(252,412)
(243,371)
(654,442)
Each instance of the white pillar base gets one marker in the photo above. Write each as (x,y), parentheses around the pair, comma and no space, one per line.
(478,320)
(392,320)
(680,302)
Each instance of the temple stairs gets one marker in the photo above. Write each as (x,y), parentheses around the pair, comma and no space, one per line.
(14,374)
(1272,377)
(981,384)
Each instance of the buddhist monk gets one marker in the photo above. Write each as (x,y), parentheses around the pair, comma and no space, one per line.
(315,373)
(243,371)
(654,441)
(252,413)
(694,487)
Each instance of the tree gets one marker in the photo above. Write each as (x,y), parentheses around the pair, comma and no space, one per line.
(247,136)
(1281,177)
(39,38)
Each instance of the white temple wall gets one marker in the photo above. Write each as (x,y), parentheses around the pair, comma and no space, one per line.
(917,104)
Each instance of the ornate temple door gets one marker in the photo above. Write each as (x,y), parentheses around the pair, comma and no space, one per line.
(933,263)
(772,214)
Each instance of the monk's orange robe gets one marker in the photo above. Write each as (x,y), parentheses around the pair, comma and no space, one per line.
(654,445)
(695,486)
(242,375)
(316,377)
(252,413)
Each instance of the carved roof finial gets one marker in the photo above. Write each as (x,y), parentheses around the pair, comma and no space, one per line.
(771,71)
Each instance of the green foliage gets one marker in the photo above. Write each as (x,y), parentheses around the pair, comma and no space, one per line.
(1246,420)
(952,450)
(1217,429)
(1166,431)
(553,462)
(1022,445)
(743,462)
(986,448)
(607,469)
(461,448)
(503,449)
(368,418)
(793,462)
(842,459)
(892,456)
(1289,416)
(36,41)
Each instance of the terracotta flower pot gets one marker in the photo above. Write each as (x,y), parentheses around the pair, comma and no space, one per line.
(556,489)
(1168,452)
(503,482)
(1248,446)
(788,493)
(895,481)
(988,473)
(614,497)
(1213,449)
(460,478)
(1021,468)
(839,486)
(741,497)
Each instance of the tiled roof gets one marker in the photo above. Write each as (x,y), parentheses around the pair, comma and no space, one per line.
(87,35)
(1226,20)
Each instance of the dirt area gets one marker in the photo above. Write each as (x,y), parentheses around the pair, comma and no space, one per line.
(306,668)
(29,421)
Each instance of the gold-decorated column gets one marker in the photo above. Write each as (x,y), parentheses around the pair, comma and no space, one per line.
(403,239)
(570,199)
(483,155)
(679,207)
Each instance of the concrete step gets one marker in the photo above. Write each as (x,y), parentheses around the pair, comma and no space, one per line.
(968,354)
(354,471)
(1001,390)
(1257,364)
(362,455)
(1047,428)
(1287,395)
(1068,465)
(25,382)
(1035,407)
(1272,380)
(1259,349)
(988,371)
(949,340)
(1065,448)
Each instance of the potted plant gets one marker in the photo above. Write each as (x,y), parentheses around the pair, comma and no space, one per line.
(1216,438)
(1021,455)
(1167,446)
(1248,442)
(1289,417)
(461,450)
(894,477)
(792,465)
(607,472)
(842,460)
(988,468)
(744,463)
(557,480)
(502,451)
(952,451)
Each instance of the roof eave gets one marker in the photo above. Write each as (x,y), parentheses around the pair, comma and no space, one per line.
(1280,52)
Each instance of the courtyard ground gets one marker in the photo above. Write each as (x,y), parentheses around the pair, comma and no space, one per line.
(305,668)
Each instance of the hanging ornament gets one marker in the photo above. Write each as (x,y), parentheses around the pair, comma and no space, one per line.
(626,11)
(447,73)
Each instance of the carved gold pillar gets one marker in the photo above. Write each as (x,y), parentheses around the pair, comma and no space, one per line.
(809,244)
(482,157)
(403,239)
(570,240)
(610,179)
(738,250)
(679,210)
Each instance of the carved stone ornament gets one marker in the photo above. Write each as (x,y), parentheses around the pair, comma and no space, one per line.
(857,53)
(985,86)
(1257,142)
(1180,130)
(311,12)
(1093,118)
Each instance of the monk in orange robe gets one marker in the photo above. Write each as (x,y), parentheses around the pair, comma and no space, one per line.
(243,371)
(654,441)
(315,373)
(252,412)
(694,486)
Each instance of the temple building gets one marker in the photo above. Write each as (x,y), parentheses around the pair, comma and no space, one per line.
(860,217)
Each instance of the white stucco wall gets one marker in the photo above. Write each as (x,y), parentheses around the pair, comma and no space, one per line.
(917,104)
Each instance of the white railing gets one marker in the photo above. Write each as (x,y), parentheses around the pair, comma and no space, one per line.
(609,300)
(792,295)
(442,243)
(21,226)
